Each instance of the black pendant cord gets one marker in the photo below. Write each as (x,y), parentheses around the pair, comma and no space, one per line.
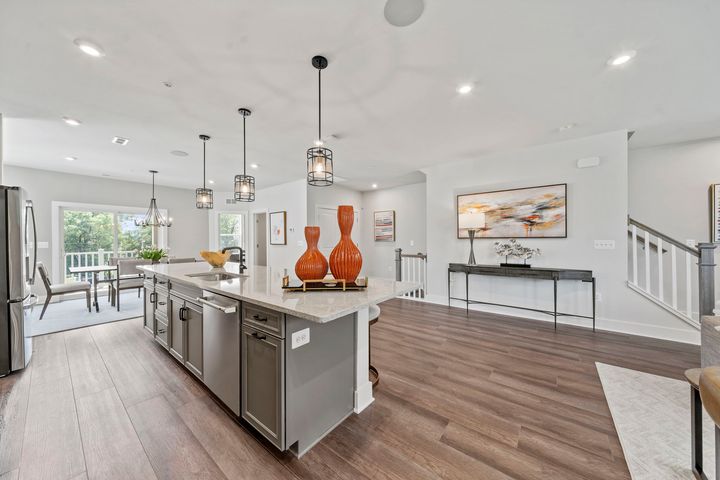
(204,142)
(319,107)
(244,149)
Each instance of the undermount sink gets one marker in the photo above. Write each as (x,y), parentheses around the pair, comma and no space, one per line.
(215,276)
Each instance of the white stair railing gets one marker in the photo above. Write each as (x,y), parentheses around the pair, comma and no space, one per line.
(411,268)
(658,263)
(88,259)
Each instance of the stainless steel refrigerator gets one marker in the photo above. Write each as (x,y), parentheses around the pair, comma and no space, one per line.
(18,262)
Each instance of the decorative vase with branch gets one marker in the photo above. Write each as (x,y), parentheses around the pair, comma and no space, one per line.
(513,248)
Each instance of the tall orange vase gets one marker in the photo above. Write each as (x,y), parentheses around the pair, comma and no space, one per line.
(345,259)
(312,264)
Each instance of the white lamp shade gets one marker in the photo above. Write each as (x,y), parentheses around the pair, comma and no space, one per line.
(472,221)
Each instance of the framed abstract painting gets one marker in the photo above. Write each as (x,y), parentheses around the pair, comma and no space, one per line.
(278,228)
(715,213)
(384,227)
(533,212)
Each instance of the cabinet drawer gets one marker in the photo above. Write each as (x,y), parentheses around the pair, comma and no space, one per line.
(186,292)
(162,300)
(161,332)
(264,319)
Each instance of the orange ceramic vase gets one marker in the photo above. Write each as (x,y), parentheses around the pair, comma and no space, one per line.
(312,264)
(345,259)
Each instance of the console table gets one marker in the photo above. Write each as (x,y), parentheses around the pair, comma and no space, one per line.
(553,274)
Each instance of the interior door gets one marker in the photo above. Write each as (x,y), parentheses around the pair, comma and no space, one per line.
(326,219)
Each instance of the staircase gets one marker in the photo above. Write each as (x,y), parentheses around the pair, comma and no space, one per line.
(412,267)
(679,278)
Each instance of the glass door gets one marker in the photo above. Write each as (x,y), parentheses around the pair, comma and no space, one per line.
(92,236)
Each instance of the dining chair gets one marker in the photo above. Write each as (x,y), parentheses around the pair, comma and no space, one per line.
(128,276)
(62,289)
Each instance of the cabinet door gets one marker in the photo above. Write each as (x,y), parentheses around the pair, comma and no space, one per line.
(176,336)
(263,382)
(149,313)
(193,319)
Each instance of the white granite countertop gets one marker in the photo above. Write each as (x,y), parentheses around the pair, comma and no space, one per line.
(263,286)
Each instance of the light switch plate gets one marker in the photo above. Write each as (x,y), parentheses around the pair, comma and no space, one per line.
(43,245)
(300,338)
(604,244)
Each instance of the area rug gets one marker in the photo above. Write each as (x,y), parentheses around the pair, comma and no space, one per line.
(652,418)
(70,314)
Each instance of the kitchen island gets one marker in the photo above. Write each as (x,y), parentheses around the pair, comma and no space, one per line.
(292,365)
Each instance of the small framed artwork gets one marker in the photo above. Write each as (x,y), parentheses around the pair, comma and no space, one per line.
(385,226)
(278,228)
(715,213)
(533,212)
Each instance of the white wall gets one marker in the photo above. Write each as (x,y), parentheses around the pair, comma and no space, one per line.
(290,197)
(669,187)
(597,209)
(186,237)
(410,205)
(331,196)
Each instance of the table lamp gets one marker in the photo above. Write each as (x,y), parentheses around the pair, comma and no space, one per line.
(472,221)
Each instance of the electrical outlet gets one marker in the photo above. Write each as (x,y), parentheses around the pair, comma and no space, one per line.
(604,244)
(300,338)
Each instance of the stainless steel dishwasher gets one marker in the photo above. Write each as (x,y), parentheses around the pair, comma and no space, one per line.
(221,347)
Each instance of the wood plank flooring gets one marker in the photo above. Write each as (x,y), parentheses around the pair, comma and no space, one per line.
(478,397)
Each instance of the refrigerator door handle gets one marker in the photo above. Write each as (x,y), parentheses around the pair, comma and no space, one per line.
(31,213)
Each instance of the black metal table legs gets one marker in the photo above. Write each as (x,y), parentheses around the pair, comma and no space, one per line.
(696,410)
(555,301)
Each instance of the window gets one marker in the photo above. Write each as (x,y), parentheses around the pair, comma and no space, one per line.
(230,230)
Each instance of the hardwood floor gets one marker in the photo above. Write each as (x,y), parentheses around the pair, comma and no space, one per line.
(478,397)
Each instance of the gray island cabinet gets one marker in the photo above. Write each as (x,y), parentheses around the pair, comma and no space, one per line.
(290,365)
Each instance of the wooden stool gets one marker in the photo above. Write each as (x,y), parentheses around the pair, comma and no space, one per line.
(693,377)
(374,316)
(710,396)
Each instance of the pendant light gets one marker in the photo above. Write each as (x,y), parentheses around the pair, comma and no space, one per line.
(204,196)
(153,217)
(244,184)
(319,158)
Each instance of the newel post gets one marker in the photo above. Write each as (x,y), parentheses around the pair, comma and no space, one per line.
(398,264)
(706,279)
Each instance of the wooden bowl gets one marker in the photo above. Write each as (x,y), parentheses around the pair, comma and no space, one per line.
(216,259)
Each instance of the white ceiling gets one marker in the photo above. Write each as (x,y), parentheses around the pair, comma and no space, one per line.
(389,93)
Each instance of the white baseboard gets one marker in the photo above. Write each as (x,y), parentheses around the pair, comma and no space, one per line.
(602,323)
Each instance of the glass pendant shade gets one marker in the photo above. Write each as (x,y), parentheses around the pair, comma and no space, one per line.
(244,184)
(153,217)
(244,188)
(204,195)
(204,198)
(319,167)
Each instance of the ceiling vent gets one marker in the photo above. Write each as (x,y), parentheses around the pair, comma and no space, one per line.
(230,201)
(120,140)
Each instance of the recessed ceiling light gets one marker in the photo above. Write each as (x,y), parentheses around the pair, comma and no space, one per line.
(179,153)
(89,48)
(120,140)
(567,127)
(254,165)
(71,121)
(211,182)
(374,185)
(464,89)
(622,59)
(70,159)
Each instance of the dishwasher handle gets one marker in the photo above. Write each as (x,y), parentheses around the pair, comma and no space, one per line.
(222,308)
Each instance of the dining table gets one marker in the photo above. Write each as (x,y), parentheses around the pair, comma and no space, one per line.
(95,270)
